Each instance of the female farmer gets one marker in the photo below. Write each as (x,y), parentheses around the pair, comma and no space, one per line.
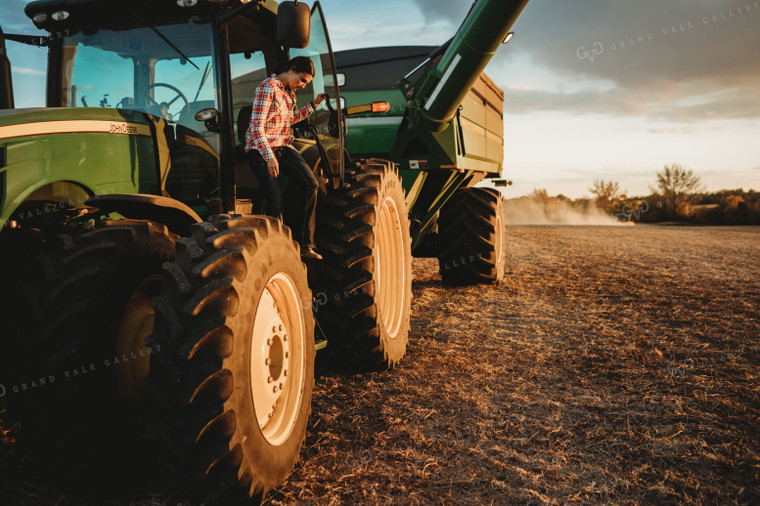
(269,145)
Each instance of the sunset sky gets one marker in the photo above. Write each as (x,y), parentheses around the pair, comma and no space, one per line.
(594,88)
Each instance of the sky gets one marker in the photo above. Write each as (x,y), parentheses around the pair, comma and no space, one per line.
(594,89)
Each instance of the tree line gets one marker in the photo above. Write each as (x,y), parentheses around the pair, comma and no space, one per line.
(678,197)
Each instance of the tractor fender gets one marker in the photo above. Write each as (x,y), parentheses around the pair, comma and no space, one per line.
(178,217)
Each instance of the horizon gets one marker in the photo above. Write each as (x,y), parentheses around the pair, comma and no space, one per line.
(593,90)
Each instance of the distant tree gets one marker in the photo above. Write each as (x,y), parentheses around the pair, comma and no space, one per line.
(608,194)
(677,183)
(541,195)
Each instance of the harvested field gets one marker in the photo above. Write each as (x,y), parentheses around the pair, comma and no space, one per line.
(615,365)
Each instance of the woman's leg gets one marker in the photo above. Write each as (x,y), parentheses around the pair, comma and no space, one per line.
(299,173)
(269,185)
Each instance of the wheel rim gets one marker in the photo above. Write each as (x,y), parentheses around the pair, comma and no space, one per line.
(277,359)
(390,270)
(499,241)
(136,324)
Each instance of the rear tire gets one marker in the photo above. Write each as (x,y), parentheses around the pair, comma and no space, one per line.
(363,287)
(231,383)
(471,237)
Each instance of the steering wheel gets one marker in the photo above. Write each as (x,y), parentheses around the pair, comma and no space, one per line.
(162,108)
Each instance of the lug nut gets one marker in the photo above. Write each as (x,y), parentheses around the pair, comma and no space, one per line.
(286,354)
(267,361)
(280,386)
(274,328)
(271,414)
(285,337)
(285,372)
(274,390)
(269,342)
(270,379)
(280,328)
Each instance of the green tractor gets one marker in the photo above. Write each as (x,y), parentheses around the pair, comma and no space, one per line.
(145,289)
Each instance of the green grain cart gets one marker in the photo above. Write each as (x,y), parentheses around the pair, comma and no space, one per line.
(145,295)
(460,225)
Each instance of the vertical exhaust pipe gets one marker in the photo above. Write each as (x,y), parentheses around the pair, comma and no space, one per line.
(6,79)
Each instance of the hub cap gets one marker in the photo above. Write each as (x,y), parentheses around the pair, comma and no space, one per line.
(136,325)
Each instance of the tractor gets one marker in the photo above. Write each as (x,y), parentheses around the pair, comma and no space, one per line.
(150,296)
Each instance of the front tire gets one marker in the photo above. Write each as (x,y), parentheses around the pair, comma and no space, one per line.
(232,380)
(363,288)
(71,416)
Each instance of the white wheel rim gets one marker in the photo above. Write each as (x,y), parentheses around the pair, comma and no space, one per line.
(499,241)
(390,268)
(277,359)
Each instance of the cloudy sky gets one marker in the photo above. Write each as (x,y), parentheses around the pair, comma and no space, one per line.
(606,89)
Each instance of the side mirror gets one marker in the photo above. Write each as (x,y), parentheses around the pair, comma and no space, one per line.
(210,118)
(293,24)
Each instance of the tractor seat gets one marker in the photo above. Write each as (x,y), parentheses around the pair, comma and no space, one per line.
(243,120)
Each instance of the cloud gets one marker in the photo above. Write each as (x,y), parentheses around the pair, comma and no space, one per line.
(453,11)
(656,55)
(28,71)
(15,21)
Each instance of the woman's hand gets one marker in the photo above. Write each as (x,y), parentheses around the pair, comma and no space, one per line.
(320,98)
(273,167)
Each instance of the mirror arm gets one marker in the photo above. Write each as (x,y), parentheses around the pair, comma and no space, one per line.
(234,12)
(215,125)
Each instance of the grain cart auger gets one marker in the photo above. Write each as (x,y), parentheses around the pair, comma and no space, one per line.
(146,287)
(444,129)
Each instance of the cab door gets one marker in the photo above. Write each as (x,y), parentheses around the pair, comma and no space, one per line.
(327,120)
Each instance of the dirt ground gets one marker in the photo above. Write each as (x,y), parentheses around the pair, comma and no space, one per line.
(615,365)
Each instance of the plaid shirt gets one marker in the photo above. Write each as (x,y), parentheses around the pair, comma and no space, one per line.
(274,111)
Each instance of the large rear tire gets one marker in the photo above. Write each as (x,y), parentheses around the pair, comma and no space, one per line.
(363,289)
(231,384)
(471,237)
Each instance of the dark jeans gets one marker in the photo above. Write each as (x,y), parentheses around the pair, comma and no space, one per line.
(300,176)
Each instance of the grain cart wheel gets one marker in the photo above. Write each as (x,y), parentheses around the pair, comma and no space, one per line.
(471,237)
(231,384)
(70,413)
(364,287)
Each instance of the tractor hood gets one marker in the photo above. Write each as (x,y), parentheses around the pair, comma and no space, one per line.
(19,123)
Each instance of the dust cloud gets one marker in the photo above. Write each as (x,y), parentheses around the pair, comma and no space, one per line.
(532,211)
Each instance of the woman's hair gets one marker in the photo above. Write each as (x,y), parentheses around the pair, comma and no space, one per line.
(302,65)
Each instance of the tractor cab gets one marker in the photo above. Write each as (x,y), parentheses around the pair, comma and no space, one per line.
(190,68)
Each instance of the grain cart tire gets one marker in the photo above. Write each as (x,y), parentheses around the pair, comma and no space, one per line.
(71,416)
(471,237)
(231,384)
(363,287)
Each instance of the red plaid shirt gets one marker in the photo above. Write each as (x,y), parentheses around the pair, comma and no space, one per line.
(274,111)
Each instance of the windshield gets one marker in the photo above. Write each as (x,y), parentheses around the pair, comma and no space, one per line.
(170,76)
(138,69)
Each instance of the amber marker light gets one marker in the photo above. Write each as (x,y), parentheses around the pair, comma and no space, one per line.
(381,107)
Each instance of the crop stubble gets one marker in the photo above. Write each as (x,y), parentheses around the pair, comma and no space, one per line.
(613,365)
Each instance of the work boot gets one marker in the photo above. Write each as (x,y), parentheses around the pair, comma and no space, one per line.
(310,253)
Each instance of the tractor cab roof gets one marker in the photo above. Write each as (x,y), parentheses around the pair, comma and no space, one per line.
(89,16)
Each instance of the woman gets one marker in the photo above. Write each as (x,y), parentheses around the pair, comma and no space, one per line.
(269,145)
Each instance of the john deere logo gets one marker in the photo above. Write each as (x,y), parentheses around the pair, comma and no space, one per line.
(123,129)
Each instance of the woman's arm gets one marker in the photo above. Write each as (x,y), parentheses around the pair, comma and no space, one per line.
(262,102)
